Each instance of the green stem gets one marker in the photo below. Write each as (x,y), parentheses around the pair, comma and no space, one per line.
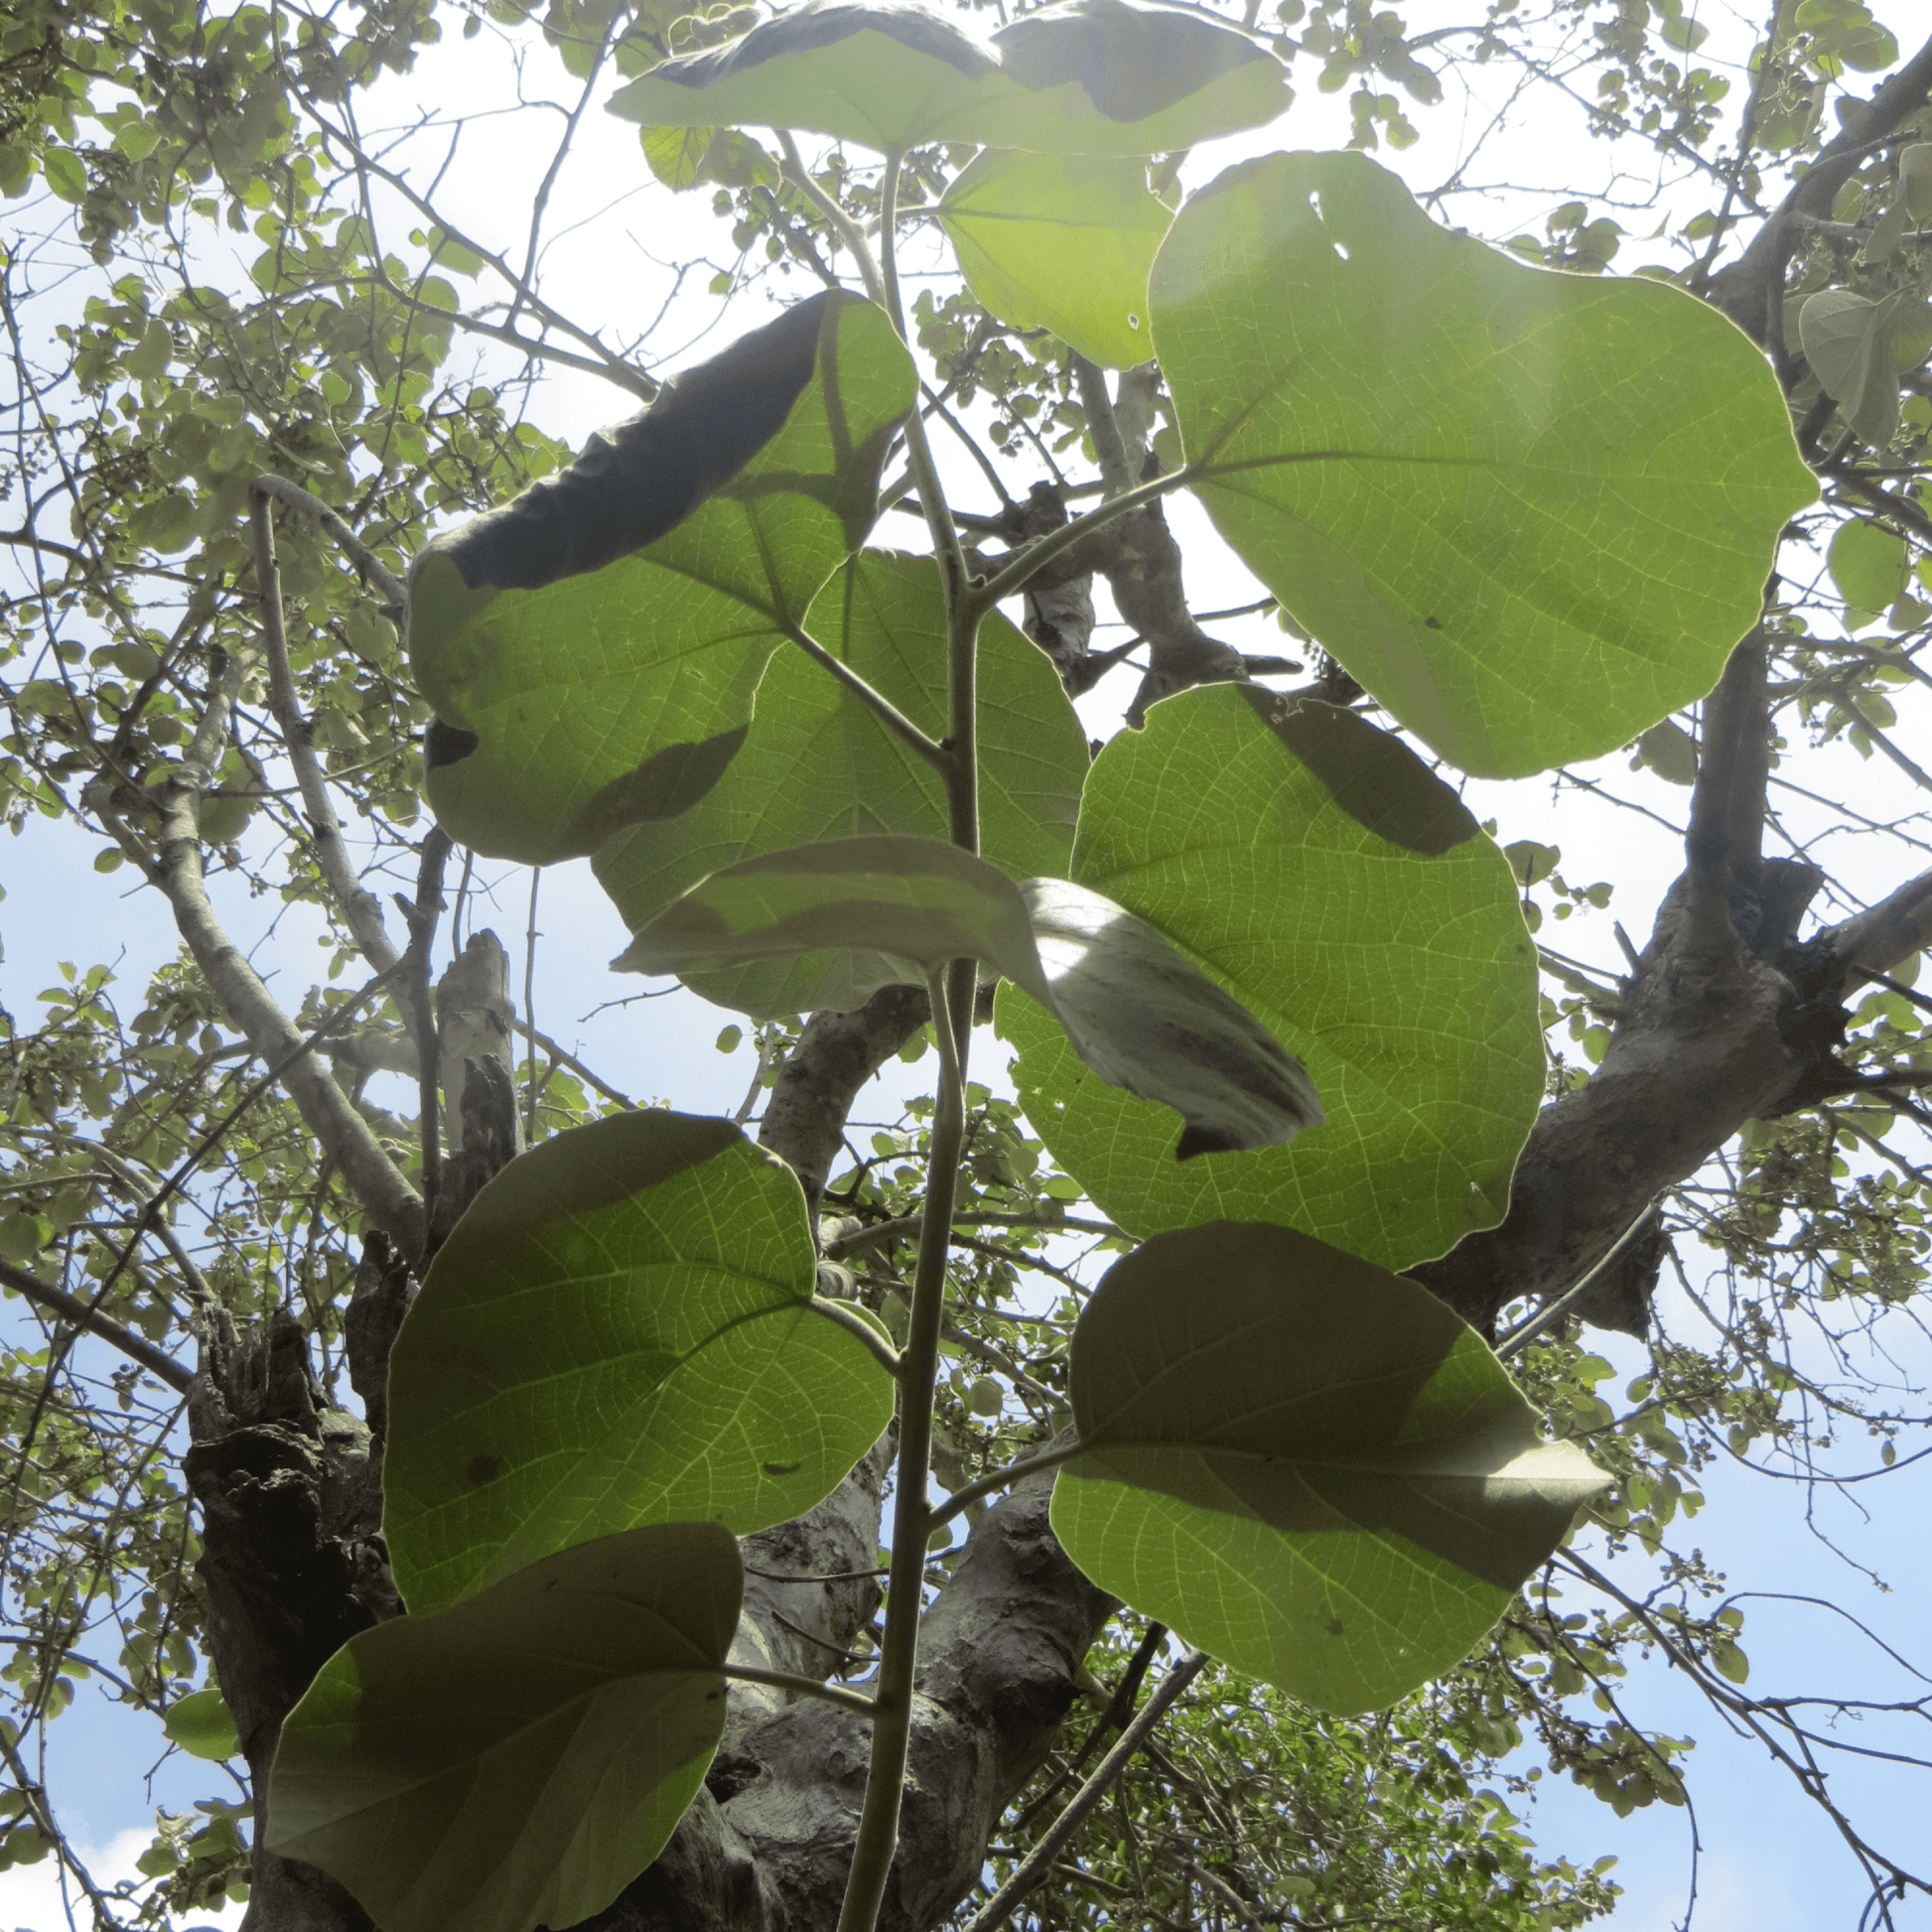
(1051,1457)
(808,1687)
(874,701)
(892,1732)
(889,238)
(1004,583)
(855,1324)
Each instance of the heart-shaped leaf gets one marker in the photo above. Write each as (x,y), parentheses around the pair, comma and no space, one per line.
(861,914)
(1868,565)
(1345,899)
(619,1331)
(1847,340)
(592,649)
(818,764)
(1062,243)
(201,1725)
(516,1760)
(1531,512)
(1090,76)
(1305,1464)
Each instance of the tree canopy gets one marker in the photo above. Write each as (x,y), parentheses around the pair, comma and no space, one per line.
(1175,1473)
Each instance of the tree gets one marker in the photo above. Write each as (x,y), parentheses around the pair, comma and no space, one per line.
(1274,1002)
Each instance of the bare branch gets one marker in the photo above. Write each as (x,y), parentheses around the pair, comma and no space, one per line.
(57,1301)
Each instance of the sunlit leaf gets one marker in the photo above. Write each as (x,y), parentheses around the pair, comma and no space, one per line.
(1531,512)
(592,649)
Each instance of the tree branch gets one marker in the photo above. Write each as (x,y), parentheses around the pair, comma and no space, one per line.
(999,1908)
(175,864)
(70,1308)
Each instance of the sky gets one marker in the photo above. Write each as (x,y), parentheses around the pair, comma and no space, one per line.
(1769,1860)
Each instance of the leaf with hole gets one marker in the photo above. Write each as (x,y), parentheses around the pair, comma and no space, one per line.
(1302,1464)
(1089,77)
(1335,889)
(592,649)
(1062,243)
(1531,512)
(618,1331)
(516,1760)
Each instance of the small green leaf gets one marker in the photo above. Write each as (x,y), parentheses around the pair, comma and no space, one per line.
(1669,751)
(1915,179)
(1062,243)
(516,1760)
(1401,433)
(1089,77)
(201,1725)
(151,356)
(618,1332)
(675,155)
(1305,1464)
(593,648)
(1867,563)
(1847,340)
(67,174)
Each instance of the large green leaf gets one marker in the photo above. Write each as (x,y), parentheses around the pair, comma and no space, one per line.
(1089,77)
(1342,895)
(592,649)
(618,1331)
(1309,1466)
(855,914)
(1062,243)
(818,764)
(515,1761)
(1531,512)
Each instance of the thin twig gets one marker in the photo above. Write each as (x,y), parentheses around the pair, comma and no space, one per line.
(999,1907)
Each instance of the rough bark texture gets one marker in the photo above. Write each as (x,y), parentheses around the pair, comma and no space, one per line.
(838,1053)
(291,1562)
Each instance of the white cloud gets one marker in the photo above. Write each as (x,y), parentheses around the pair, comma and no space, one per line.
(31,1900)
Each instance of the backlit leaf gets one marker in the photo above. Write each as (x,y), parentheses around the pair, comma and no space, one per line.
(618,1332)
(1847,340)
(1531,512)
(818,763)
(592,649)
(1322,876)
(1305,1464)
(1062,242)
(1089,77)
(861,914)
